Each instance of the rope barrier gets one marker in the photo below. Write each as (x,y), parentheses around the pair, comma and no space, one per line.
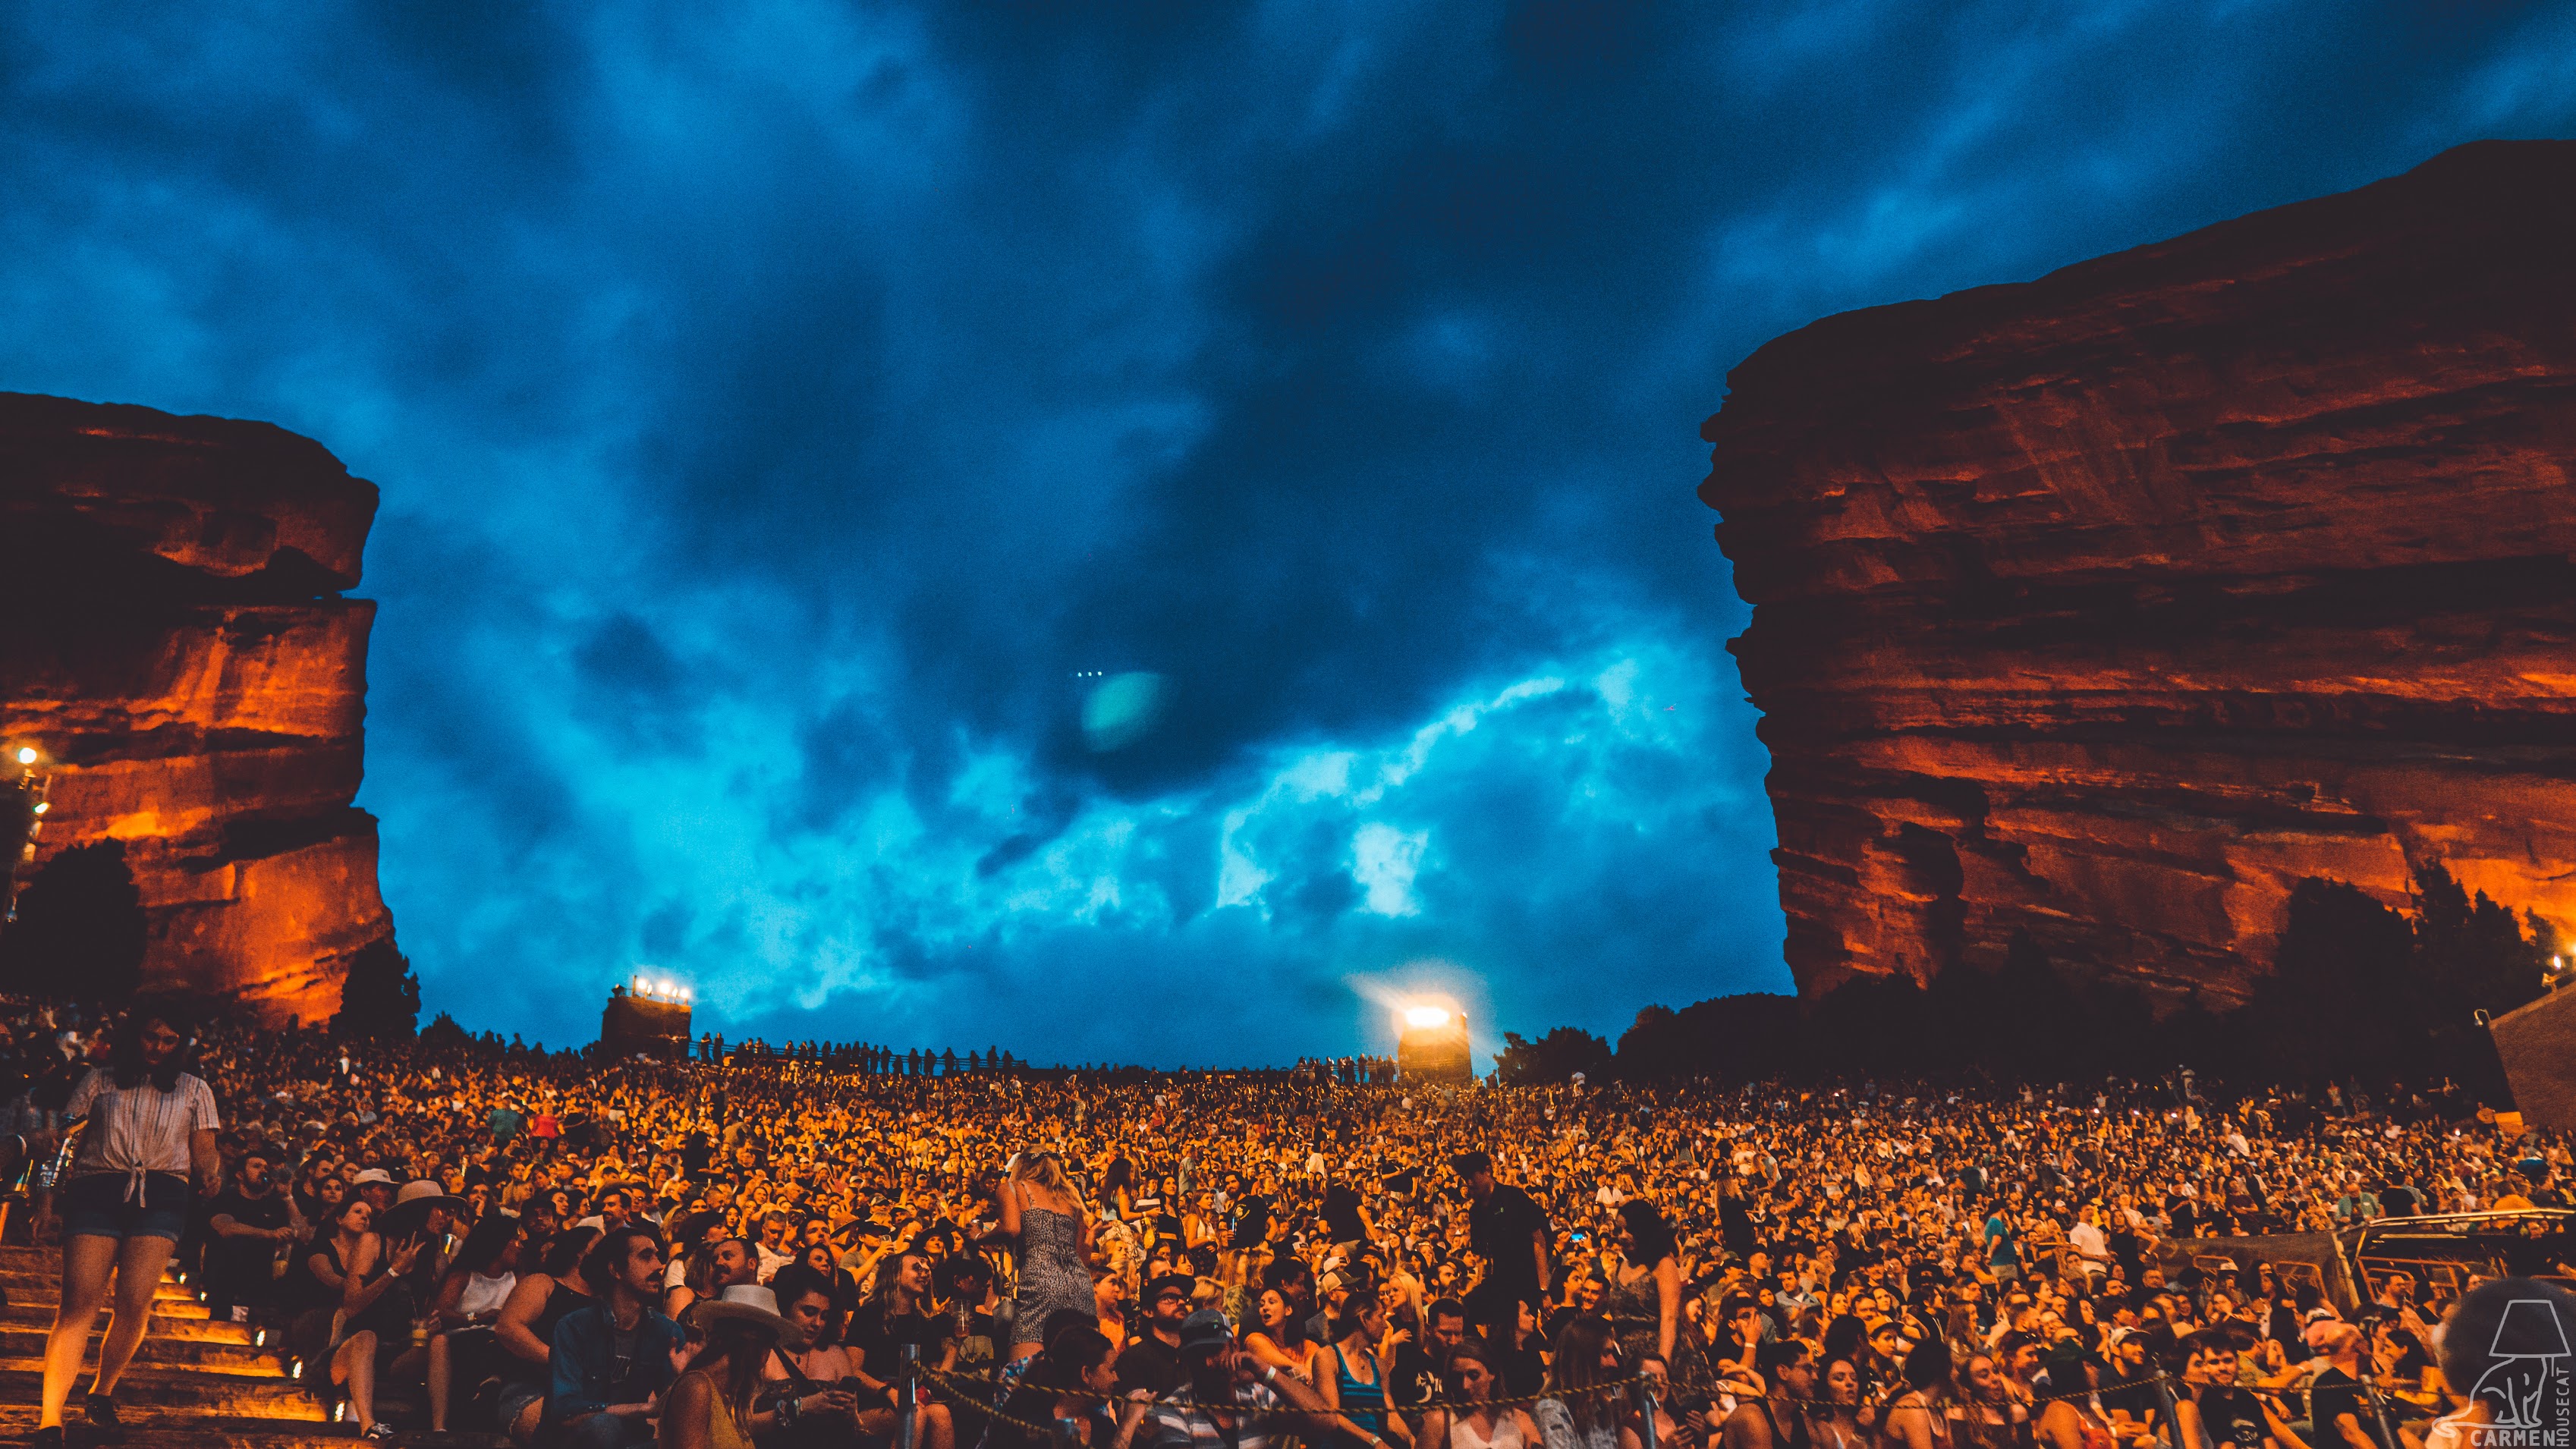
(1603,1387)
(941,1380)
(2034,1402)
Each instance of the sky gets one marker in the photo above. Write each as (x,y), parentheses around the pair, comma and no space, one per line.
(1135,532)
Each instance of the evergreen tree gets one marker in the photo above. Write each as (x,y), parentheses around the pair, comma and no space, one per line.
(380,997)
(2473,952)
(1554,1057)
(80,930)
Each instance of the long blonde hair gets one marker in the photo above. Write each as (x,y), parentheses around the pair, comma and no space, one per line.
(1043,1169)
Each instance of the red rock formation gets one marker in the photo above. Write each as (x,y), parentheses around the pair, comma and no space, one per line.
(178,648)
(2106,607)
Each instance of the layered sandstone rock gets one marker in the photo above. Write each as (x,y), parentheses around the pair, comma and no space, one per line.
(178,648)
(2104,608)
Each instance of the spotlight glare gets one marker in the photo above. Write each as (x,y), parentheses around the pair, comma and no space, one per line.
(1426,1016)
(26,754)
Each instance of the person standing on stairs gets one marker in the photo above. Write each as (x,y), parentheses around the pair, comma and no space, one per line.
(151,1130)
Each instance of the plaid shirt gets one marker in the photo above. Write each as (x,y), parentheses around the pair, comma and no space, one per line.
(1177,1422)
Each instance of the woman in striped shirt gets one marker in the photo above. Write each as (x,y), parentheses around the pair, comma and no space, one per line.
(150,1128)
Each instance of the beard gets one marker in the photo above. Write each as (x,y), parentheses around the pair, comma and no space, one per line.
(1212,1382)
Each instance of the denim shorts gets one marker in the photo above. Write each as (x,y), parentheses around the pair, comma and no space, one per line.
(95,1206)
(515,1398)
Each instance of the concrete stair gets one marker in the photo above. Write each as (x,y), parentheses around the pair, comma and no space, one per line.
(195,1383)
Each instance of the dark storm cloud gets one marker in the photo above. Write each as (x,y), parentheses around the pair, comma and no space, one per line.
(788,421)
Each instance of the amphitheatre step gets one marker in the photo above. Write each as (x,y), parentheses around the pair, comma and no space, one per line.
(40,1316)
(207,1356)
(46,1295)
(176,1391)
(145,1430)
(30,1283)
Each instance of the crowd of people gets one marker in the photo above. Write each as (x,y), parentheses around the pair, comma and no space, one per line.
(586,1251)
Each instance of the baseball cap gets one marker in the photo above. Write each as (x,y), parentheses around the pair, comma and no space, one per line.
(1181,1283)
(375,1174)
(1204,1329)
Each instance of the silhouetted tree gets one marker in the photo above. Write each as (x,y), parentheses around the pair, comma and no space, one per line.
(2473,952)
(443,1031)
(80,928)
(1552,1058)
(380,997)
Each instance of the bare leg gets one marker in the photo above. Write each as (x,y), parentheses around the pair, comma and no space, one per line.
(523,1430)
(138,1278)
(409,1366)
(937,1430)
(85,1263)
(440,1367)
(355,1366)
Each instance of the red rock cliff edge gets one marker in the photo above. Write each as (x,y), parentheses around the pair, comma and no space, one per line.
(179,648)
(2104,608)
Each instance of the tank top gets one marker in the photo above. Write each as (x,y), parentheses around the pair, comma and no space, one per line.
(560,1300)
(1363,1400)
(1796,1438)
(310,1291)
(1507,1434)
(483,1294)
(2092,1431)
(722,1430)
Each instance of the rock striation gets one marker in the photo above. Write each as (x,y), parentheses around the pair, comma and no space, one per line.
(2102,609)
(179,649)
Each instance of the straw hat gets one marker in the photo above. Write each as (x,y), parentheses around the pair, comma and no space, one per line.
(749,1302)
(412,1204)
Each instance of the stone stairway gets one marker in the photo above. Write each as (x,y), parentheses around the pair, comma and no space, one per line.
(195,1383)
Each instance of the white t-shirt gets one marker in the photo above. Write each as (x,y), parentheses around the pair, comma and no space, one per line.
(2091,1243)
(139,1129)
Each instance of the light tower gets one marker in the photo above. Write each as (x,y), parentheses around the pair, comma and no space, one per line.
(651,1017)
(1431,1044)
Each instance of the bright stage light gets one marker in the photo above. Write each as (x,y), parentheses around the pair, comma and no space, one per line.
(1426,1016)
(26,754)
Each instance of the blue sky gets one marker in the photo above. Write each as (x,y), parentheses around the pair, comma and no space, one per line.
(1125,532)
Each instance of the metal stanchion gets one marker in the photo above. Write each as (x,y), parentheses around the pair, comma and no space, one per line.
(2370,1385)
(907,1393)
(1645,1395)
(2172,1412)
